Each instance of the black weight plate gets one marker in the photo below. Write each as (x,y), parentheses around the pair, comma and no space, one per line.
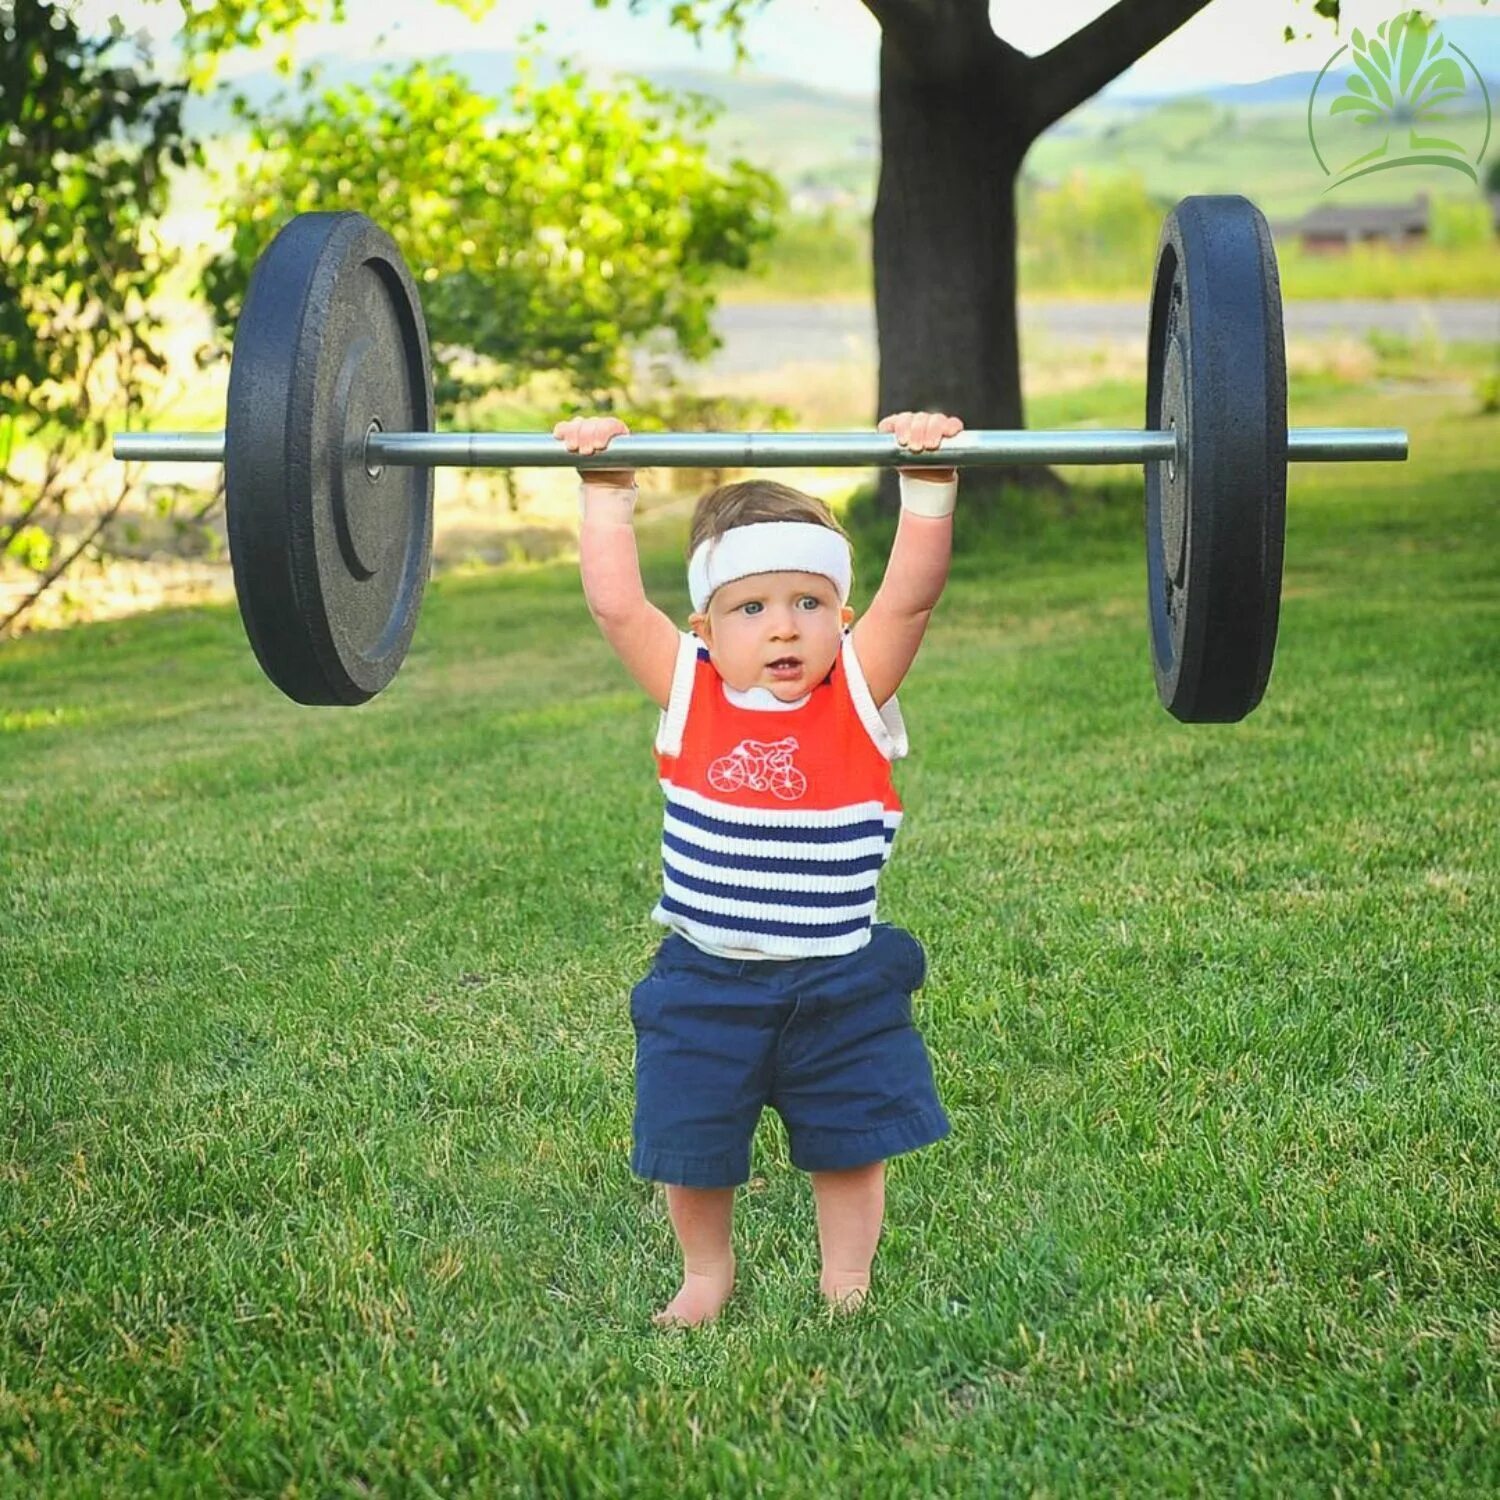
(1216,519)
(330,559)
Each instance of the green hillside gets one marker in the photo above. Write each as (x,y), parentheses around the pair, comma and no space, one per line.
(1194,145)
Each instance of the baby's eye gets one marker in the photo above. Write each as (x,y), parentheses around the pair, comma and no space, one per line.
(813,597)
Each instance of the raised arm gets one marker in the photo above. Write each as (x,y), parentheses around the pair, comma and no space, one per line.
(607,557)
(887,636)
(643,637)
(916,572)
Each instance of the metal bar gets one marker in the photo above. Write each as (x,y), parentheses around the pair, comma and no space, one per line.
(770,450)
(1339,445)
(170,447)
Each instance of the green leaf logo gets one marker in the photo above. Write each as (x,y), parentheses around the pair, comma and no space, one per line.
(1403,74)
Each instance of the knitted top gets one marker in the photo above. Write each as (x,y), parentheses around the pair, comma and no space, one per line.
(779,816)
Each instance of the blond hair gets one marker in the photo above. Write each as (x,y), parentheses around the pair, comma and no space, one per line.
(751,500)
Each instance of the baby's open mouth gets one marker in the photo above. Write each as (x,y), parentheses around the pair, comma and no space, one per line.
(785,662)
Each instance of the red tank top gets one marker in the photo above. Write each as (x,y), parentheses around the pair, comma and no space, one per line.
(778,822)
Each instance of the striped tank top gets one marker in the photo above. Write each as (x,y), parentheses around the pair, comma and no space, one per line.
(779,817)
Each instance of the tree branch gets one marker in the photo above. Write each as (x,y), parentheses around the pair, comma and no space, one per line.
(10,530)
(941,37)
(1076,69)
(60,568)
(899,14)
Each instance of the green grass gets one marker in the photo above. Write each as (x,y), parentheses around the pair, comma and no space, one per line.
(828,259)
(318,1069)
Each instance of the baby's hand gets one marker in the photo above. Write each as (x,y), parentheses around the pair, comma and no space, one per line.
(923,429)
(592,435)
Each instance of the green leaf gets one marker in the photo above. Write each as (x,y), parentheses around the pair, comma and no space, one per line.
(1377,79)
(1442,74)
(1380,150)
(31,547)
(1413,48)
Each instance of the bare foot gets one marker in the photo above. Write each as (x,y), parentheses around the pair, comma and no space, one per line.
(699,1298)
(847,1294)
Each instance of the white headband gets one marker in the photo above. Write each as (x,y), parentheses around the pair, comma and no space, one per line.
(769,547)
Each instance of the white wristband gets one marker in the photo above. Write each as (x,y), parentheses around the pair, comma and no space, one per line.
(607,502)
(929,497)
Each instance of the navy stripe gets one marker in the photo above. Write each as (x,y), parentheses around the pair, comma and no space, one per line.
(766,928)
(857,897)
(763,864)
(780,833)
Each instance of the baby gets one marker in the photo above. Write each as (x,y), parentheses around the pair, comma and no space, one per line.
(775,984)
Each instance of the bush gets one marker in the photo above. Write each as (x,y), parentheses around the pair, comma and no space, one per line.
(1461,223)
(550,239)
(1088,231)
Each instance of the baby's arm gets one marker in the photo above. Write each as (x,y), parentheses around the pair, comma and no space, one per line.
(916,572)
(888,635)
(643,637)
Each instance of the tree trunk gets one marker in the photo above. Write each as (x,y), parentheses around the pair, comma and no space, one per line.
(953,135)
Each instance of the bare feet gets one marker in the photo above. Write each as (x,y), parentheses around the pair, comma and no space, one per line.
(845,1293)
(698,1300)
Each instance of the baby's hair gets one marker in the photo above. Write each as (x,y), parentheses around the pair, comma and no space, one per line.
(750,500)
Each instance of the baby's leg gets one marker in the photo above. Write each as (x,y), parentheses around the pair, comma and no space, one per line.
(851,1210)
(703,1219)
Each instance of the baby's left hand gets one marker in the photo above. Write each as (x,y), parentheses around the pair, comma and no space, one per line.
(923,429)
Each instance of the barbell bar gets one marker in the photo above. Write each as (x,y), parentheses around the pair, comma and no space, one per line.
(329,448)
(779,450)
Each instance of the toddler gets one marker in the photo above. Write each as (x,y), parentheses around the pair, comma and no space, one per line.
(775,984)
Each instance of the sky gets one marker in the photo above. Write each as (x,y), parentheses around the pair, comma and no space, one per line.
(829,43)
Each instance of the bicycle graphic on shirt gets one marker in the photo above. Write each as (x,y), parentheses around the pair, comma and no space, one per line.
(763,766)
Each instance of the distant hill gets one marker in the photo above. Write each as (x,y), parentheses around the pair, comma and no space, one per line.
(1476,36)
(824,145)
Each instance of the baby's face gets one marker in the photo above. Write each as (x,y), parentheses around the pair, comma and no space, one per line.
(757,620)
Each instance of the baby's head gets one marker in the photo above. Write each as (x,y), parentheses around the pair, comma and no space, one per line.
(777,590)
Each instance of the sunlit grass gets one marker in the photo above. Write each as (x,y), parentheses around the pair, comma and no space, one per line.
(317,1060)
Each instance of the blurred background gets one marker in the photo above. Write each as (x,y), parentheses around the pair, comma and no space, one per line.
(661,210)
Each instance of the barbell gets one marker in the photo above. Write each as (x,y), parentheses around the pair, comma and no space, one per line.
(328,451)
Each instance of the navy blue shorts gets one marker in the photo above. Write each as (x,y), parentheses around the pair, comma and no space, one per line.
(828,1043)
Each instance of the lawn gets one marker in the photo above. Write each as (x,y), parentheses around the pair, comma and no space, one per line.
(317,1059)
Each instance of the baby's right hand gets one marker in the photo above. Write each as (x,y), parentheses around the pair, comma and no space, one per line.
(592,435)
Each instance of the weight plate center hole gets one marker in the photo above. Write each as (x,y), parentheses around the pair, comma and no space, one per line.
(376,470)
